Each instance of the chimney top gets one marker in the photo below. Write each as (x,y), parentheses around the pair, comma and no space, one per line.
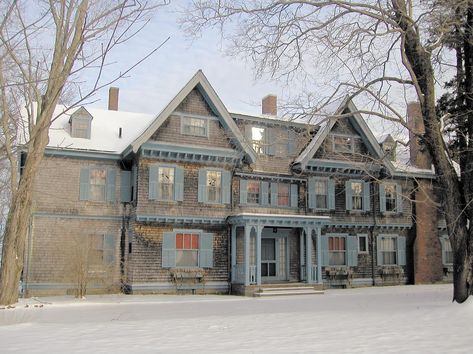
(113,98)
(269,105)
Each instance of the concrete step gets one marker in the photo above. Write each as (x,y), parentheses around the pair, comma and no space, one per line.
(288,288)
(288,293)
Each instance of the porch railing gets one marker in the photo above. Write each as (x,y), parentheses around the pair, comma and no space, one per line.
(239,274)
(253,274)
(313,272)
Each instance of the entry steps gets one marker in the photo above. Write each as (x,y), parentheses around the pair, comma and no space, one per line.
(287,291)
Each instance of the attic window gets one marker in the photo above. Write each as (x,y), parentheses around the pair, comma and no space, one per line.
(343,144)
(195,126)
(81,124)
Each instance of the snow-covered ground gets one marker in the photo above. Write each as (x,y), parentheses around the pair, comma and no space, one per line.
(407,319)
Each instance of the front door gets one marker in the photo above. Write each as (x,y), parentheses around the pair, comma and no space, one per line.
(268,257)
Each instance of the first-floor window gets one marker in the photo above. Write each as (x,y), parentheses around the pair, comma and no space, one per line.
(214,186)
(336,250)
(448,252)
(98,178)
(187,250)
(253,196)
(389,250)
(100,249)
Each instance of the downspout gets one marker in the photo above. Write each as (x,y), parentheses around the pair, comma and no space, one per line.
(28,258)
(373,213)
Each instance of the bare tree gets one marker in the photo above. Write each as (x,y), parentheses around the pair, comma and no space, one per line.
(44,47)
(387,52)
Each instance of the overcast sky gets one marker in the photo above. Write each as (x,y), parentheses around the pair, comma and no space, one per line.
(153,83)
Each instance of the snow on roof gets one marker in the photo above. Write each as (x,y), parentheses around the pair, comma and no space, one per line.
(104,130)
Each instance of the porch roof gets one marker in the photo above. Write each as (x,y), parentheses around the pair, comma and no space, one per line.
(280,220)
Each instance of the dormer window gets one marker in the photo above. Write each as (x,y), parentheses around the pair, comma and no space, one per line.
(81,121)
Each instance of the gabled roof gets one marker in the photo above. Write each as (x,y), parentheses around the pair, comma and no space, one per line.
(81,111)
(358,122)
(200,82)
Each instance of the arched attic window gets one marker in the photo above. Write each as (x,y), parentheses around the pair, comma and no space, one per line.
(81,123)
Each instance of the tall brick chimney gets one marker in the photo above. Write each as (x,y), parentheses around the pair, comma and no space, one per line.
(269,105)
(427,260)
(420,157)
(113,99)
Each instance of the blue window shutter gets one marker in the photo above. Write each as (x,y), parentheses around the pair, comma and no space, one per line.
(84,183)
(109,249)
(398,198)
(274,194)
(264,200)
(379,253)
(352,251)
(366,196)
(134,172)
(226,187)
(331,194)
(291,142)
(111,178)
(202,190)
(382,198)
(294,196)
(348,195)
(269,141)
(206,251)
(179,184)
(243,191)
(169,250)
(401,250)
(125,186)
(324,248)
(153,182)
(311,187)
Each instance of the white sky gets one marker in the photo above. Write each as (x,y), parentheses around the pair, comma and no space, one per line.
(153,83)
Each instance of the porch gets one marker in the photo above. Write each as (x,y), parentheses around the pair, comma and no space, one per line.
(269,249)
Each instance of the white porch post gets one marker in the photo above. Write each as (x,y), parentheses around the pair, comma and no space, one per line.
(308,261)
(301,250)
(259,231)
(319,254)
(247,254)
(233,247)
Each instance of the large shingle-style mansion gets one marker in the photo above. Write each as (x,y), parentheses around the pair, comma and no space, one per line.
(198,199)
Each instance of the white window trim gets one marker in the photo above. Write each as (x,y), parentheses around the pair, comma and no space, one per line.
(366,243)
(193,116)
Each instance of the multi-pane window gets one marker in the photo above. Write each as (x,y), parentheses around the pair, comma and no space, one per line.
(187,250)
(390,190)
(343,144)
(357,195)
(283,194)
(81,128)
(258,139)
(97,188)
(448,252)
(214,186)
(166,183)
(336,250)
(253,196)
(321,194)
(388,250)
(195,126)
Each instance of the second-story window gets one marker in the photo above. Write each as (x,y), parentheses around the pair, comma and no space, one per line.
(195,126)
(253,196)
(357,195)
(258,139)
(166,183)
(214,186)
(321,194)
(390,197)
(97,189)
(283,194)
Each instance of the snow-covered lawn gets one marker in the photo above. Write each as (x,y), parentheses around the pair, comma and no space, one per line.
(405,319)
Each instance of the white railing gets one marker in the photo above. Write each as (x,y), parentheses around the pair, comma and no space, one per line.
(314,272)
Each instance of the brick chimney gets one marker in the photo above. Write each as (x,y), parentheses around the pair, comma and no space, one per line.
(269,105)
(113,99)
(427,260)
(420,157)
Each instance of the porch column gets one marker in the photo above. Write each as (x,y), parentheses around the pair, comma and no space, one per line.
(247,254)
(233,247)
(308,261)
(319,254)
(259,231)
(301,250)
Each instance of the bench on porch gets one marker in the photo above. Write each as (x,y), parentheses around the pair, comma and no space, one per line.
(188,278)
(339,276)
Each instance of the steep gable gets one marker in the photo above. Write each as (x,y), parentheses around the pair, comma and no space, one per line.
(196,101)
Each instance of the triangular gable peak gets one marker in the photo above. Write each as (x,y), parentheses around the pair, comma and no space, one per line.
(312,154)
(197,83)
